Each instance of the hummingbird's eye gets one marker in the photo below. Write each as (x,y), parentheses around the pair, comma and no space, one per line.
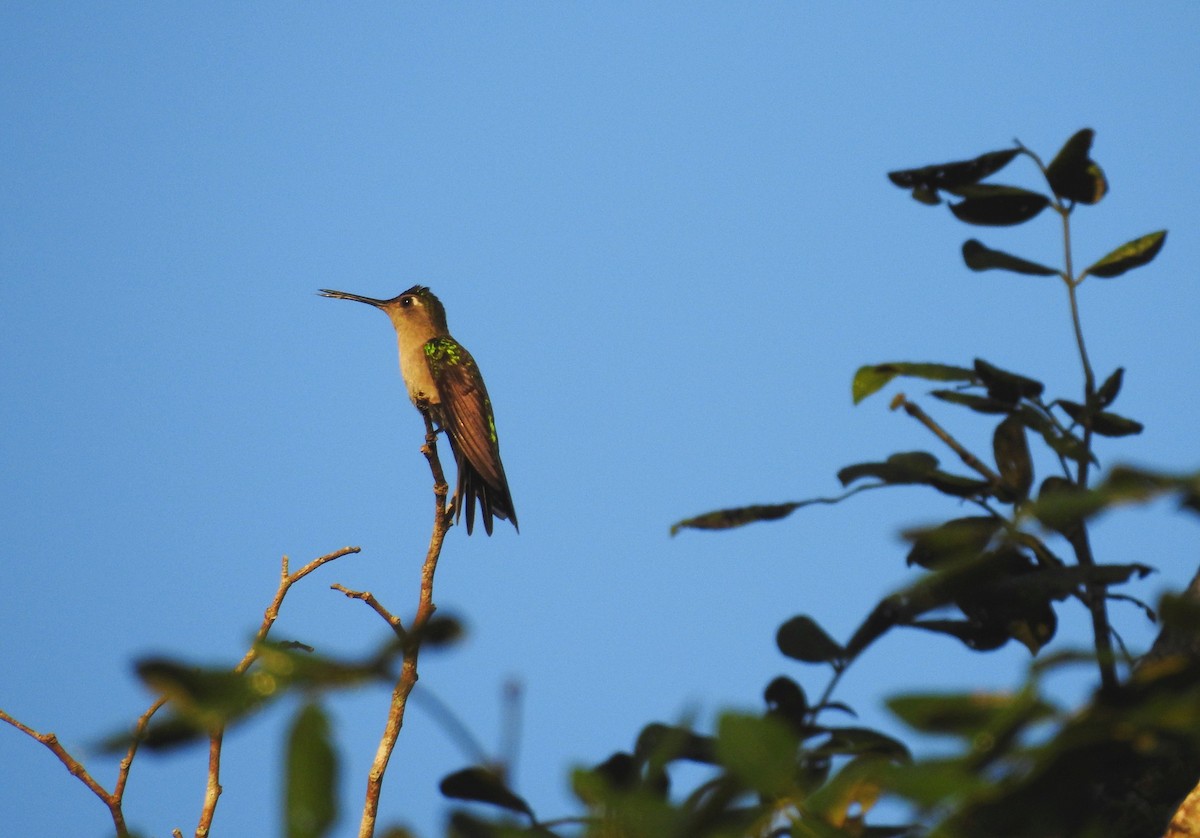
(406,302)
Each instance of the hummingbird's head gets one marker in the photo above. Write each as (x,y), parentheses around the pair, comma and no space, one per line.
(416,309)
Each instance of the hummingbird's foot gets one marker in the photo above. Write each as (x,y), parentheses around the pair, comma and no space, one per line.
(451,505)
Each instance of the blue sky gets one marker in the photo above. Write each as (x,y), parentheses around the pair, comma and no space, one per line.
(664,231)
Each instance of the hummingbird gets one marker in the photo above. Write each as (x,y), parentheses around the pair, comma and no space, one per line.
(443,379)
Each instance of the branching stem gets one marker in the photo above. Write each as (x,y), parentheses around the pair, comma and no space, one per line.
(412,638)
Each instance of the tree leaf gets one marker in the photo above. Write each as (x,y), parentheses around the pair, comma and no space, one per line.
(979,637)
(1005,386)
(739,516)
(482,785)
(871,379)
(759,751)
(904,468)
(997,206)
(956,485)
(802,639)
(853,741)
(1011,450)
(955,540)
(1103,423)
(953,175)
(310,796)
(982,258)
(972,401)
(1073,175)
(786,699)
(1108,391)
(1132,254)
(966,715)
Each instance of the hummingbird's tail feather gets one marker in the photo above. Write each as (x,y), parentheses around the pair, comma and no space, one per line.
(494,501)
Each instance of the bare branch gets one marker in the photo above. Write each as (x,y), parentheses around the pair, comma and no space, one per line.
(369,598)
(914,410)
(112,801)
(412,644)
(212,790)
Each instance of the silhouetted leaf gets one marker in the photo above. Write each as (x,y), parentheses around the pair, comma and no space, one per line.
(1132,254)
(966,715)
(997,206)
(852,741)
(956,485)
(310,802)
(1012,457)
(932,782)
(785,699)
(1103,423)
(979,637)
(902,468)
(727,519)
(211,697)
(982,258)
(1005,386)
(441,630)
(665,743)
(759,751)
(1108,391)
(955,540)
(620,771)
(870,379)
(979,404)
(802,639)
(1062,443)
(1073,175)
(952,175)
(482,785)
(1061,505)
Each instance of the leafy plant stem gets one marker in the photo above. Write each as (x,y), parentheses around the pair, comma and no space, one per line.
(1096,594)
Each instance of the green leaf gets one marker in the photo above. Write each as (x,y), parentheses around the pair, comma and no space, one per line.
(1103,423)
(1012,457)
(1108,391)
(979,637)
(482,785)
(955,540)
(802,639)
(981,258)
(871,379)
(854,741)
(957,486)
(953,175)
(902,468)
(1132,254)
(931,783)
(740,516)
(997,206)
(665,743)
(1005,386)
(310,796)
(786,699)
(758,751)
(1073,175)
(979,404)
(208,697)
(966,714)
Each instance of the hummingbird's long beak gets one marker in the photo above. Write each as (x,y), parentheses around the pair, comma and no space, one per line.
(342,295)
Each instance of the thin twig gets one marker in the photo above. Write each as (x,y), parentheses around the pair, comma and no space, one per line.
(212,789)
(139,730)
(412,642)
(112,801)
(941,433)
(369,598)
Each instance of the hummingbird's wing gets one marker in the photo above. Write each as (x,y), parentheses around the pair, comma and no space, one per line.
(465,412)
